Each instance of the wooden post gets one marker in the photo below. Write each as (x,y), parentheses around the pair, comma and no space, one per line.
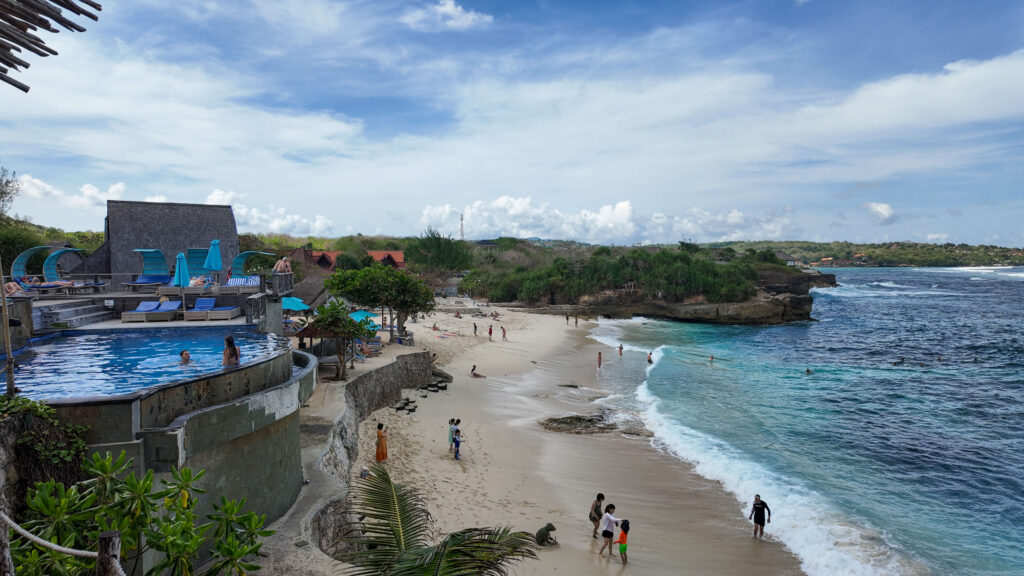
(109,559)
(6,563)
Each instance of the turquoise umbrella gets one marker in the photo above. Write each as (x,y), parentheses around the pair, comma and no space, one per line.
(292,303)
(213,263)
(361,315)
(181,278)
(180,271)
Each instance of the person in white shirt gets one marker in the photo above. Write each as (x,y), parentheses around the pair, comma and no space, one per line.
(608,524)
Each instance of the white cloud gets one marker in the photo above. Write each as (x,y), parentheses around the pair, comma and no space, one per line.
(275,219)
(882,212)
(88,197)
(445,15)
(618,223)
(157,198)
(937,237)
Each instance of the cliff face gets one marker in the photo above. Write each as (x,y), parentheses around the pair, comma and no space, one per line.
(783,296)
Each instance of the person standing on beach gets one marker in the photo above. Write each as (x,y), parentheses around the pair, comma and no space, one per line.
(490,332)
(620,350)
(623,535)
(598,360)
(382,442)
(474,328)
(608,524)
(451,434)
(595,511)
(458,442)
(566,319)
(757,513)
(504,335)
(577,321)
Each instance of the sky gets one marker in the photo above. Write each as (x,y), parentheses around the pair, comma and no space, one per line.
(615,122)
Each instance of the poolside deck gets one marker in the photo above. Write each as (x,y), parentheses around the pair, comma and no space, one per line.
(118,325)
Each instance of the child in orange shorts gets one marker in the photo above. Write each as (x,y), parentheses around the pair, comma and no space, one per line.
(622,541)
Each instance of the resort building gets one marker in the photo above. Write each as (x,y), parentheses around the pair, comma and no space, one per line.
(393,258)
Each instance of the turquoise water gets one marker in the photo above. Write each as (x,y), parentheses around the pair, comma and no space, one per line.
(108,362)
(869,467)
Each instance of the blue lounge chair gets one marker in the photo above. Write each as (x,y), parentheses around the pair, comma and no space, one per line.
(223,313)
(148,281)
(201,308)
(165,312)
(139,314)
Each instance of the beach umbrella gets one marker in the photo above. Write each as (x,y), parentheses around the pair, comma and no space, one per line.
(213,263)
(361,315)
(292,303)
(181,278)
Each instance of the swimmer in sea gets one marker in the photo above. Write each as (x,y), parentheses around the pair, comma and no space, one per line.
(620,350)
(649,359)
(809,372)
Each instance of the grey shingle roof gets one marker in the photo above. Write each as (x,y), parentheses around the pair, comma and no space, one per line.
(168,226)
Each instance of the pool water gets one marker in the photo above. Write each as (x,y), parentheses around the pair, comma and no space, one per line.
(111,362)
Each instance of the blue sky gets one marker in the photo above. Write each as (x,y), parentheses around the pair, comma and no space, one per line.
(603,121)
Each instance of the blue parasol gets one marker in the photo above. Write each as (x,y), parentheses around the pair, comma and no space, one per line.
(292,303)
(213,263)
(180,271)
(361,315)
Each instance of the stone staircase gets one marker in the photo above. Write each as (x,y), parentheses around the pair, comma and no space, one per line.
(69,314)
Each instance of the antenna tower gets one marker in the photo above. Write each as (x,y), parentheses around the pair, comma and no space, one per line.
(462,227)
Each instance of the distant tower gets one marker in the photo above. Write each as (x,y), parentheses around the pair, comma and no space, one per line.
(462,227)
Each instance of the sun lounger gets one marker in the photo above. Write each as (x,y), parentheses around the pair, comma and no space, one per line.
(223,313)
(139,314)
(241,285)
(148,281)
(166,312)
(200,309)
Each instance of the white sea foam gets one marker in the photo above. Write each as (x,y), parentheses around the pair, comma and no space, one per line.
(889,285)
(825,542)
(859,291)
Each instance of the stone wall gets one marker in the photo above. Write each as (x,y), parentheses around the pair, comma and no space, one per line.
(22,310)
(10,429)
(363,395)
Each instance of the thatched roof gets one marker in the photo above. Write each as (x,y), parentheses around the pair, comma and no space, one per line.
(20,18)
(167,226)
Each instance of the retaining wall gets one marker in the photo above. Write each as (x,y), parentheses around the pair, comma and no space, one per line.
(363,395)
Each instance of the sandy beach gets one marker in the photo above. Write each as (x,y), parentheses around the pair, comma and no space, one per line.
(517,473)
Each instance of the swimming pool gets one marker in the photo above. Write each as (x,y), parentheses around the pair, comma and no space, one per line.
(82,363)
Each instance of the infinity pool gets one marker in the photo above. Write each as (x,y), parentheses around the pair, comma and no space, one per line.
(110,362)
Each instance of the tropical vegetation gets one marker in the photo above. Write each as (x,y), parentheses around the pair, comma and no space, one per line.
(394,537)
(161,522)
(332,320)
(400,292)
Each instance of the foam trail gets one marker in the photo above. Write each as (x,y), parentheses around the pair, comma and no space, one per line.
(824,542)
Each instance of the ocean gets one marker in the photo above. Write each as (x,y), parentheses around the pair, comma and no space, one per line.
(870,464)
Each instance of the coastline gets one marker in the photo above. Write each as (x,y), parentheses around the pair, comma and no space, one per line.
(515,472)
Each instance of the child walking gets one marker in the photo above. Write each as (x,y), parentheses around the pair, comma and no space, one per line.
(451,434)
(622,541)
(458,442)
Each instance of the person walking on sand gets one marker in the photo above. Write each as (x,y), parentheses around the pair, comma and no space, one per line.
(504,335)
(566,319)
(474,328)
(757,513)
(577,321)
(451,434)
(490,332)
(620,349)
(595,512)
(458,442)
(598,360)
(608,524)
(382,442)
(622,541)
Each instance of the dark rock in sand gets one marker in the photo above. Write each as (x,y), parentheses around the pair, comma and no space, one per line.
(578,424)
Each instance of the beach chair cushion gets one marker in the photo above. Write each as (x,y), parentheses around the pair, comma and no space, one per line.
(204,304)
(150,279)
(146,306)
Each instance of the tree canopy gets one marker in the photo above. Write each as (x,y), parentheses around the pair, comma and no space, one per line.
(402,293)
(332,321)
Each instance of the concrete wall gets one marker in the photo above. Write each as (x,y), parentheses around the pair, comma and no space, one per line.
(363,395)
(22,310)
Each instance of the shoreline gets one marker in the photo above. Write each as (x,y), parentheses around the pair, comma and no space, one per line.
(517,473)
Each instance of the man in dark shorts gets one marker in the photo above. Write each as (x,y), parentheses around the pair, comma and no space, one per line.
(757,513)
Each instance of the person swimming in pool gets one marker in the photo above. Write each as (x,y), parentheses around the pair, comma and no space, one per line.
(186,358)
(232,355)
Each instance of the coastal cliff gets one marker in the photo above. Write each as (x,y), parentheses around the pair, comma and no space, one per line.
(780,298)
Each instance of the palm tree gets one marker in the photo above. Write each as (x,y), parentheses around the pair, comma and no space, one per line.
(393,539)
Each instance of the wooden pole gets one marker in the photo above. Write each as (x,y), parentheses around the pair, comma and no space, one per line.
(6,563)
(109,559)
(5,318)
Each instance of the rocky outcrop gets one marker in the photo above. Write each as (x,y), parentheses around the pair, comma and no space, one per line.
(783,296)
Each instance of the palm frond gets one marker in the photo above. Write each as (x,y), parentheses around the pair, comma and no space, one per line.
(395,520)
(469,552)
